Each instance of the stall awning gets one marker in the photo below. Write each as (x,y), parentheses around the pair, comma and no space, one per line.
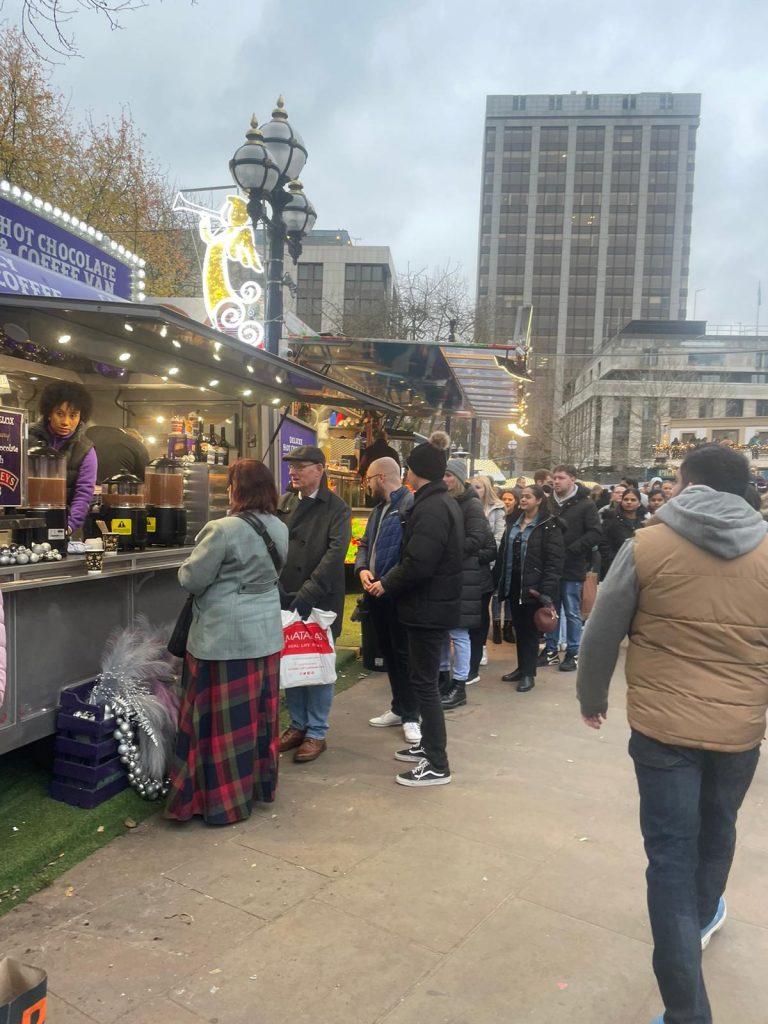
(155,340)
(423,379)
(488,388)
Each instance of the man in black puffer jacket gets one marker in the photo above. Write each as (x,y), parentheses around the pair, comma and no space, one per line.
(577,513)
(476,581)
(426,585)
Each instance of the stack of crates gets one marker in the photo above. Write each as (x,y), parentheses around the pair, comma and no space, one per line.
(87,769)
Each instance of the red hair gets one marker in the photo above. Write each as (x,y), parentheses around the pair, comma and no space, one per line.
(253,487)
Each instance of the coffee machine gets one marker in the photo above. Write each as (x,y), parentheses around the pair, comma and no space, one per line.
(164,492)
(46,499)
(124,510)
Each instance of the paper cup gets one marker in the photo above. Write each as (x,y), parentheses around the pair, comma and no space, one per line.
(94,562)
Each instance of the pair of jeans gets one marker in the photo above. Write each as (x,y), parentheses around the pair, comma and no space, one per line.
(570,609)
(461,653)
(425,649)
(393,642)
(689,800)
(526,637)
(310,708)
(479,635)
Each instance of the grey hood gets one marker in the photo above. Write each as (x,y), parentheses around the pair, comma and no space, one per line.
(722,524)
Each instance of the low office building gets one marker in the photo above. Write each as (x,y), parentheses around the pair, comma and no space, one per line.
(660,380)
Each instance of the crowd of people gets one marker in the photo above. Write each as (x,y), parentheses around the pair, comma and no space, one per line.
(449,563)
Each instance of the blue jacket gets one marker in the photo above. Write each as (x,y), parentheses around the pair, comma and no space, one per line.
(390,539)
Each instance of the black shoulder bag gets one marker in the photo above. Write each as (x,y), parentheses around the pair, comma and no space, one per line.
(177,645)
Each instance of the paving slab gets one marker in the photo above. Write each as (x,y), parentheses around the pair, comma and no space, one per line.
(514,895)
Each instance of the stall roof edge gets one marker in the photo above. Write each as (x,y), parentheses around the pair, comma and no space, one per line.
(158,315)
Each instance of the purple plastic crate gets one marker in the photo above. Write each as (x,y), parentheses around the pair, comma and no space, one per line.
(81,796)
(75,698)
(92,775)
(87,750)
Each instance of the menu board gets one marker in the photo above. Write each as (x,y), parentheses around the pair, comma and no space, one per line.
(11,440)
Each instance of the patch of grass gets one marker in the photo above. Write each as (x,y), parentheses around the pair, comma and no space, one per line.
(41,838)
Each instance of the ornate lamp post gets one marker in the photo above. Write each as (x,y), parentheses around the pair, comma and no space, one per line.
(272,158)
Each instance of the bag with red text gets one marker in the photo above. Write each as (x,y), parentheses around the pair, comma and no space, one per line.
(309,656)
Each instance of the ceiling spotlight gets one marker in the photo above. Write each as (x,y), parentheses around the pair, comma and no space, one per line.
(172,371)
(247,393)
(163,331)
(124,357)
(213,383)
(176,344)
(64,338)
(128,328)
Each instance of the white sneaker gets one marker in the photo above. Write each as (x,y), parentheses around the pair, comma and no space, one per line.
(412,732)
(469,682)
(484,659)
(385,720)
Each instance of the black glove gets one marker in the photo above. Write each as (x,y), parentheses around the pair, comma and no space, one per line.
(286,599)
(546,601)
(302,606)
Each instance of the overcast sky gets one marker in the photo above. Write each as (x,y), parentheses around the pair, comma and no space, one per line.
(390,98)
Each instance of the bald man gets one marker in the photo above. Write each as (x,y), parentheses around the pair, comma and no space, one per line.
(379,551)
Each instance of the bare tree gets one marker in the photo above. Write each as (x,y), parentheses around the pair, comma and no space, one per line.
(435,305)
(47,24)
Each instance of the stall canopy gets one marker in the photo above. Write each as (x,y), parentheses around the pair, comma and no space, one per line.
(422,379)
(155,340)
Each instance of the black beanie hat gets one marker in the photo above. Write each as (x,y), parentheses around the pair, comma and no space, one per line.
(429,460)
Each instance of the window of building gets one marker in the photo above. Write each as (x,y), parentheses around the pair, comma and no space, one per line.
(706,359)
(555,102)
(725,435)
(678,408)
(518,102)
(706,408)
(593,102)
(761,362)
(761,407)
(629,103)
(666,101)
(734,407)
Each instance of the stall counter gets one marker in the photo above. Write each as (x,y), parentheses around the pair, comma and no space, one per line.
(58,618)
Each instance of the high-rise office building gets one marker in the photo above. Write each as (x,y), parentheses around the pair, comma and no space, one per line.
(586,216)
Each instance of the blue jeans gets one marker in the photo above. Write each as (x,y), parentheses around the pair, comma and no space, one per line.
(310,707)
(462,649)
(570,609)
(689,799)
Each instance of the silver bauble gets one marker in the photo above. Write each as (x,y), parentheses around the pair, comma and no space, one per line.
(124,759)
(122,749)
(117,735)
(124,727)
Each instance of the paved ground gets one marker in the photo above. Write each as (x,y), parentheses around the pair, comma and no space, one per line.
(514,895)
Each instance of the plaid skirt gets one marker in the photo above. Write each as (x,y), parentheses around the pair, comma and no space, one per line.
(227,747)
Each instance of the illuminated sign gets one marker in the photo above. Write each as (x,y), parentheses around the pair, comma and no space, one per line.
(232,295)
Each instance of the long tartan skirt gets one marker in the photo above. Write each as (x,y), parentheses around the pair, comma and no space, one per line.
(227,747)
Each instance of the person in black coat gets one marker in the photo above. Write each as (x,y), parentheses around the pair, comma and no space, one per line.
(620,525)
(319,533)
(426,586)
(576,511)
(476,581)
(530,564)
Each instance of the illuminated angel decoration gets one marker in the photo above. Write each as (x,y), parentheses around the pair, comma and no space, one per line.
(228,239)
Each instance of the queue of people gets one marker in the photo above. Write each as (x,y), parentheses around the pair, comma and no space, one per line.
(438,549)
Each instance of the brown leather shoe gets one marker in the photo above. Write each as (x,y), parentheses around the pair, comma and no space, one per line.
(291,738)
(309,750)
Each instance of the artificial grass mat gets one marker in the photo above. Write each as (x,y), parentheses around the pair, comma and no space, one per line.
(41,838)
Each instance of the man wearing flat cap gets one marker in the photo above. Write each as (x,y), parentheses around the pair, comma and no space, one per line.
(319,533)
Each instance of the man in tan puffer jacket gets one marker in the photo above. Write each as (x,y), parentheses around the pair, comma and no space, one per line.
(691,591)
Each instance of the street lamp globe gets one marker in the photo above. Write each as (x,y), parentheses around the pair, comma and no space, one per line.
(286,147)
(252,166)
(298,213)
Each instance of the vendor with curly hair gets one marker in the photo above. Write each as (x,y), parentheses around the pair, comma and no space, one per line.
(65,408)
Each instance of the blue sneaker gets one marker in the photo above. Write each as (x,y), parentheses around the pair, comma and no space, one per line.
(717,922)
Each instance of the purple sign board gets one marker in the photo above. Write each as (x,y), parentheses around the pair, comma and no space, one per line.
(11,435)
(293,434)
(32,237)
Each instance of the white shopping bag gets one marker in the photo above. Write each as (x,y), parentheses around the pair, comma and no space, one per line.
(309,656)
